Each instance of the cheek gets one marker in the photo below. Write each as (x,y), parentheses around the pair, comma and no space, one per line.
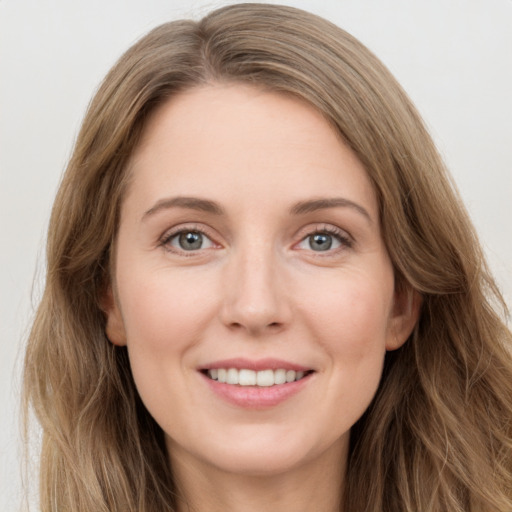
(162,312)
(163,322)
(352,312)
(350,320)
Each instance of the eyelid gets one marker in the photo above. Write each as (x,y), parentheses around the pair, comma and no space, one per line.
(169,234)
(346,240)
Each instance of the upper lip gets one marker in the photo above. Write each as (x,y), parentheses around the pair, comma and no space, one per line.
(256,364)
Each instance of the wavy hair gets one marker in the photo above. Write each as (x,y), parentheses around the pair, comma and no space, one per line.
(438,434)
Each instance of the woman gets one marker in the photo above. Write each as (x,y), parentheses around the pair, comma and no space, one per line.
(263,291)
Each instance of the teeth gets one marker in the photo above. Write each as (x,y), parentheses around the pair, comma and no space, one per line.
(232,376)
(246,377)
(263,378)
(279,376)
(290,376)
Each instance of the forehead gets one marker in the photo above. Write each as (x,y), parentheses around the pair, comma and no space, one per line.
(226,139)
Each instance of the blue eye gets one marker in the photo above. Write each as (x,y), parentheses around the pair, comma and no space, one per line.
(189,241)
(323,241)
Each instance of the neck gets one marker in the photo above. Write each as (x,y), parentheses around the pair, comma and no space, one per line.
(317,485)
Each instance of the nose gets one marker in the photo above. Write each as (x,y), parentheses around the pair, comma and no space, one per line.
(254,296)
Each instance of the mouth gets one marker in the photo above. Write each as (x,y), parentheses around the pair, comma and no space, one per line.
(261,378)
(258,384)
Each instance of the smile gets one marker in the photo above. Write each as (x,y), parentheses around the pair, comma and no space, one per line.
(256,383)
(261,378)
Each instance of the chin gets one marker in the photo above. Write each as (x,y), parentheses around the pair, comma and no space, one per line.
(262,462)
(263,453)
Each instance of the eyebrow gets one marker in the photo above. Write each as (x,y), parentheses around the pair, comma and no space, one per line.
(192,203)
(303,207)
(300,208)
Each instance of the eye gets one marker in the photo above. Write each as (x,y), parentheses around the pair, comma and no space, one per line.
(188,240)
(324,240)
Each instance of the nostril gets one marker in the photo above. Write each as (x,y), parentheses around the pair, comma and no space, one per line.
(271,327)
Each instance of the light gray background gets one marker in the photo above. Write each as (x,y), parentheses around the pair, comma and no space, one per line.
(452,56)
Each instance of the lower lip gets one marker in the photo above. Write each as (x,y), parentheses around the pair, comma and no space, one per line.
(255,397)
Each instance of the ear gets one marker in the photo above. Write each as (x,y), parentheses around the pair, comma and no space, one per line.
(405,314)
(114,328)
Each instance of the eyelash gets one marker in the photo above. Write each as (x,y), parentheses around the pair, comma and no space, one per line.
(346,242)
(167,238)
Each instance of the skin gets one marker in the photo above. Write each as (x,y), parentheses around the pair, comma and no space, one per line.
(257,287)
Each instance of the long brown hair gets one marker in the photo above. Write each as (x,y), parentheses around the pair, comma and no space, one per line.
(438,434)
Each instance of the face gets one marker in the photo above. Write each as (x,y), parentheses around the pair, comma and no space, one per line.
(252,286)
